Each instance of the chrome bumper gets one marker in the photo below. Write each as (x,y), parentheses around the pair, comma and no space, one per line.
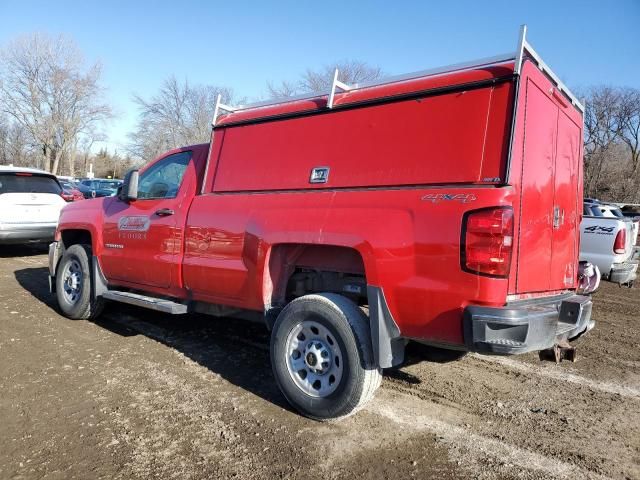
(623,273)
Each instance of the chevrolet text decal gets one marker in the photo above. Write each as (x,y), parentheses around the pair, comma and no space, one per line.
(135,223)
(448,197)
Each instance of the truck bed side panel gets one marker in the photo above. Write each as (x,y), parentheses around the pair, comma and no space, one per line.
(410,247)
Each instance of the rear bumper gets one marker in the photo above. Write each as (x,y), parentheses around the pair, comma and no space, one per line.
(27,233)
(623,272)
(526,326)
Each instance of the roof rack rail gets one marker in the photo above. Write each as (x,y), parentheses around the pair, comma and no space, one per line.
(336,84)
(524,50)
(220,106)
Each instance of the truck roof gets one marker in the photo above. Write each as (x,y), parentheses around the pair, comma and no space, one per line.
(476,73)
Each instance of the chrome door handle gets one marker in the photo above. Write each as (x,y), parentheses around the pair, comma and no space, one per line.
(558,217)
(164,212)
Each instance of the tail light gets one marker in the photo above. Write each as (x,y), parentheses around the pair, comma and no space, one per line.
(487,241)
(619,246)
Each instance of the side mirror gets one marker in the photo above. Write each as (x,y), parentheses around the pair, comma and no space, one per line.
(129,190)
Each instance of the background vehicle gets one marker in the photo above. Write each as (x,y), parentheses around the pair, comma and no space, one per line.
(607,240)
(30,204)
(317,210)
(98,187)
(631,211)
(69,191)
(601,209)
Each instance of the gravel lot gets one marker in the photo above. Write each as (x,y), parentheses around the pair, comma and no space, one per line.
(139,394)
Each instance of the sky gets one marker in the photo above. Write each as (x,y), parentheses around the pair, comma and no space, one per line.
(244,45)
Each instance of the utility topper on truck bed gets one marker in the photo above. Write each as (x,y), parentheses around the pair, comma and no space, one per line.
(446,204)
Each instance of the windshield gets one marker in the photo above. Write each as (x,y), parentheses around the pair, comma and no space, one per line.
(609,211)
(28,183)
(110,185)
(592,210)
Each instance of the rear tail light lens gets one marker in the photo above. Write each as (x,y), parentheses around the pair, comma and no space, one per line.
(487,241)
(619,246)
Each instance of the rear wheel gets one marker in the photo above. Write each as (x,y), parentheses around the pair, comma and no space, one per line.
(322,357)
(73,284)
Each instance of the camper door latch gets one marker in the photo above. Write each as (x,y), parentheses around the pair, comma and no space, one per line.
(558,217)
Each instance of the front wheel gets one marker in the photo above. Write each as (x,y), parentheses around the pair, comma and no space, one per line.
(73,284)
(322,356)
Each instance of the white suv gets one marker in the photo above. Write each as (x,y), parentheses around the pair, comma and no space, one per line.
(30,204)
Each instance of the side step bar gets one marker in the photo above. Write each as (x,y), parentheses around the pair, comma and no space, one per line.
(153,303)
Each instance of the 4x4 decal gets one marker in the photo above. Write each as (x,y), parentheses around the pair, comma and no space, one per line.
(600,230)
(457,197)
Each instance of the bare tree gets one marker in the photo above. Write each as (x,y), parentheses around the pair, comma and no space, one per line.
(4,141)
(46,88)
(612,143)
(15,146)
(112,165)
(602,128)
(630,126)
(283,89)
(179,114)
(319,81)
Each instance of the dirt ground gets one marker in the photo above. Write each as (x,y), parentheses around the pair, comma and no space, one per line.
(139,394)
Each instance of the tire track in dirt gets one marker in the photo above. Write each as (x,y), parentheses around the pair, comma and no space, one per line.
(470,448)
(560,375)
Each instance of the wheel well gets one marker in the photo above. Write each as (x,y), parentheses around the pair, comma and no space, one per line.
(72,237)
(295,270)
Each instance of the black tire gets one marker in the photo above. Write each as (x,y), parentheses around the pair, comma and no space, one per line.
(80,305)
(360,377)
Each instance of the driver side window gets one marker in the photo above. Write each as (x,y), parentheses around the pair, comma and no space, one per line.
(163,179)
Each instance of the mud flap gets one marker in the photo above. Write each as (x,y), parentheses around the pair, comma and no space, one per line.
(388,345)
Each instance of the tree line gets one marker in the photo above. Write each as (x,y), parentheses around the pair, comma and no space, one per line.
(53,111)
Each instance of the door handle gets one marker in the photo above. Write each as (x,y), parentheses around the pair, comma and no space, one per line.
(164,212)
(558,217)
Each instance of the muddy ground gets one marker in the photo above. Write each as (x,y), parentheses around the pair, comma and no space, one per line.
(143,395)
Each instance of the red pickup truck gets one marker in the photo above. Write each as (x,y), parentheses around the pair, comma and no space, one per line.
(441,207)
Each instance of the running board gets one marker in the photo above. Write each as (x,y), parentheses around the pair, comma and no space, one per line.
(153,303)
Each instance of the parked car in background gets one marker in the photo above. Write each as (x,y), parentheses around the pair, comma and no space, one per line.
(30,204)
(601,209)
(98,187)
(69,191)
(607,240)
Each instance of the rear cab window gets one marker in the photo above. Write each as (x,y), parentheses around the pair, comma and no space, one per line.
(18,182)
